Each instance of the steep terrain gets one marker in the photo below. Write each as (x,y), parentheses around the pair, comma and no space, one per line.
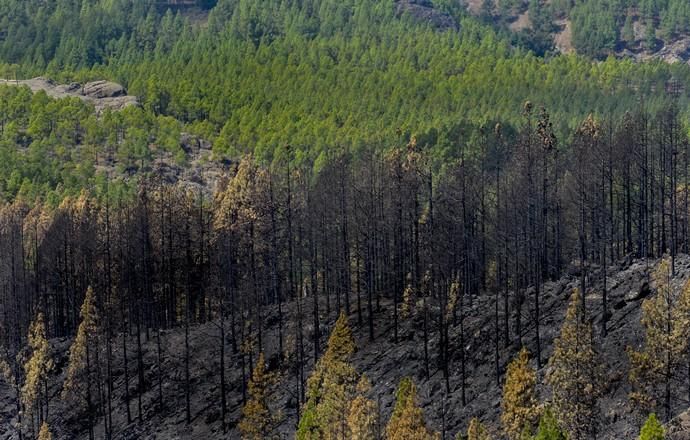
(594,28)
(200,171)
(291,87)
(383,362)
(194,166)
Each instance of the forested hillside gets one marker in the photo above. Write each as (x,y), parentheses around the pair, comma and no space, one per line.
(387,238)
(304,194)
(315,75)
(597,28)
(389,57)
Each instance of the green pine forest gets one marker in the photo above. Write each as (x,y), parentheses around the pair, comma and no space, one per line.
(254,76)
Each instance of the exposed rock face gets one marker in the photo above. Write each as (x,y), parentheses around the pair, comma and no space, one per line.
(676,52)
(671,52)
(199,171)
(102,94)
(193,144)
(423,10)
(679,428)
(103,89)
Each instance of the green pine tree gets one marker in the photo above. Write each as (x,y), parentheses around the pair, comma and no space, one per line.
(574,373)
(548,427)
(38,366)
(665,320)
(257,421)
(652,429)
(78,381)
(331,388)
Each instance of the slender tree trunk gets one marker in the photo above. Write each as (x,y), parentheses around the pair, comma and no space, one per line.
(223,391)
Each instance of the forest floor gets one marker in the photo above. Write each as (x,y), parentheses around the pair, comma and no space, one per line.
(383,361)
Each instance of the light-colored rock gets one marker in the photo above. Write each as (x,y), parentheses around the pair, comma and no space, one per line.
(103,89)
(102,94)
(679,428)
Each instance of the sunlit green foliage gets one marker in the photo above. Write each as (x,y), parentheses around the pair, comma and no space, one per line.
(317,74)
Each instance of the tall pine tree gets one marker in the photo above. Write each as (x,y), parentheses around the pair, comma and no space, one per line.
(330,388)
(362,419)
(407,421)
(574,373)
(80,381)
(257,421)
(665,319)
(520,407)
(36,370)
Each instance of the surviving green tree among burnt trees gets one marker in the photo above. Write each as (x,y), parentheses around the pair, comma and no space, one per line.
(654,367)
(258,422)
(652,429)
(407,421)
(331,388)
(574,374)
(79,386)
(34,392)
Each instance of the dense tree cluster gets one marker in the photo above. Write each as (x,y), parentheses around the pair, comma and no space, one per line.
(50,149)
(318,73)
(599,27)
(83,33)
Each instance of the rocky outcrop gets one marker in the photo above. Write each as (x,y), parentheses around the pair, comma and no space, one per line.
(676,52)
(198,170)
(192,144)
(103,89)
(424,11)
(102,94)
(679,428)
